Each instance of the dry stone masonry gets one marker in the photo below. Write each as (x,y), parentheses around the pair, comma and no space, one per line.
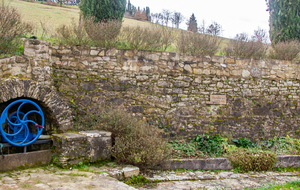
(170,90)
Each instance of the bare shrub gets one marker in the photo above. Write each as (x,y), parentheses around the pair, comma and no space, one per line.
(12,28)
(242,46)
(198,44)
(72,35)
(140,15)
(167,35)
(285,50)
(134,141)
(141,38)
(102,34)
(49,2)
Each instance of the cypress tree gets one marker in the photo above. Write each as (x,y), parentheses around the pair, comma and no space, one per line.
(284,20)
(192,24)
(103,10)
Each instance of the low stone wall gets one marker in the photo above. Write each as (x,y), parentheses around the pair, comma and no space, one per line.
(25,160)
(86,146)
(286,161)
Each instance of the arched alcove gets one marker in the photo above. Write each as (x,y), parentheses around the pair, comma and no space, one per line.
(57,113)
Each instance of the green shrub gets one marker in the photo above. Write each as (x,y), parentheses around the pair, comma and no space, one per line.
(183,149)
(252,159)
(103,10)
(282,145)
(12,29)
(134,141)
(212,145)
(285,50)
(244,143)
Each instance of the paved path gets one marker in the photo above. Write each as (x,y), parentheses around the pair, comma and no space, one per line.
(53,178)
(221,180)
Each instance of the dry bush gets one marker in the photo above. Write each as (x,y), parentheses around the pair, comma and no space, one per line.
(102,34)
(12,28)
(141,38)
(134,141)
(285,50)
(48,2)
(252,159)
(167,35)
(139,15)
(242,46)
(72,35)
(198,44)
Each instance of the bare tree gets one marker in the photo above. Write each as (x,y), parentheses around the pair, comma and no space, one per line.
(177,18)
(214,29)
(154,17)
(260,35)
(202,28)
(167,16)
(160,18)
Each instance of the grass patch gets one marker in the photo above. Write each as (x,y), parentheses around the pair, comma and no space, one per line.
(288,186)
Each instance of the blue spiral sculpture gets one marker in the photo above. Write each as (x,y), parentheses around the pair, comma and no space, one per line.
(18,132)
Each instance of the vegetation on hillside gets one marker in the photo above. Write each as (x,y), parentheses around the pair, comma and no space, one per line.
(151,36)
(12,29)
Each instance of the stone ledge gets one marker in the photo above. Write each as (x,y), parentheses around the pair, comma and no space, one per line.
(29,159)
(222,163)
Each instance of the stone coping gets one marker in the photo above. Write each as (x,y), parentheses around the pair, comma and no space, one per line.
(222,163)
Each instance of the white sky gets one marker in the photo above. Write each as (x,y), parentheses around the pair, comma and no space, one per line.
(235,16)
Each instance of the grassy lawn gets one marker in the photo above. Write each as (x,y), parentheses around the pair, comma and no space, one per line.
(288,186)
(55,16)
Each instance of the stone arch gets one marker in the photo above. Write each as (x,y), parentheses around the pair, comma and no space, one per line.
(24,88)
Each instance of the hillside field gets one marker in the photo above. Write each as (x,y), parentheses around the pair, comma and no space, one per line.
(46,18)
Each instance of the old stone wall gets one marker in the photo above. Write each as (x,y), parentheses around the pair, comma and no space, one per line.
(172,90)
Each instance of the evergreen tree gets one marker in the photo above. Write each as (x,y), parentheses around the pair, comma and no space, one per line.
(192,24)
(284,20)
(148,13)
(103,10)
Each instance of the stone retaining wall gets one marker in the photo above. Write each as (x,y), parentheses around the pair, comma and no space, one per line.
(170,90)
(286,161)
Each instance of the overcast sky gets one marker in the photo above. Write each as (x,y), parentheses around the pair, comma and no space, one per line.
(235,16)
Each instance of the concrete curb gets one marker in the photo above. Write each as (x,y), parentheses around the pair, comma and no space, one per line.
(222,163)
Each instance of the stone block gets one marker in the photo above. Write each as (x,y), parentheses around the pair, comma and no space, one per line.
(131,171)
(85,146)
(99,143)
(69,147)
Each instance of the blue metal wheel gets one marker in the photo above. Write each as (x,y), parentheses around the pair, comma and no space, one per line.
(18,132)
